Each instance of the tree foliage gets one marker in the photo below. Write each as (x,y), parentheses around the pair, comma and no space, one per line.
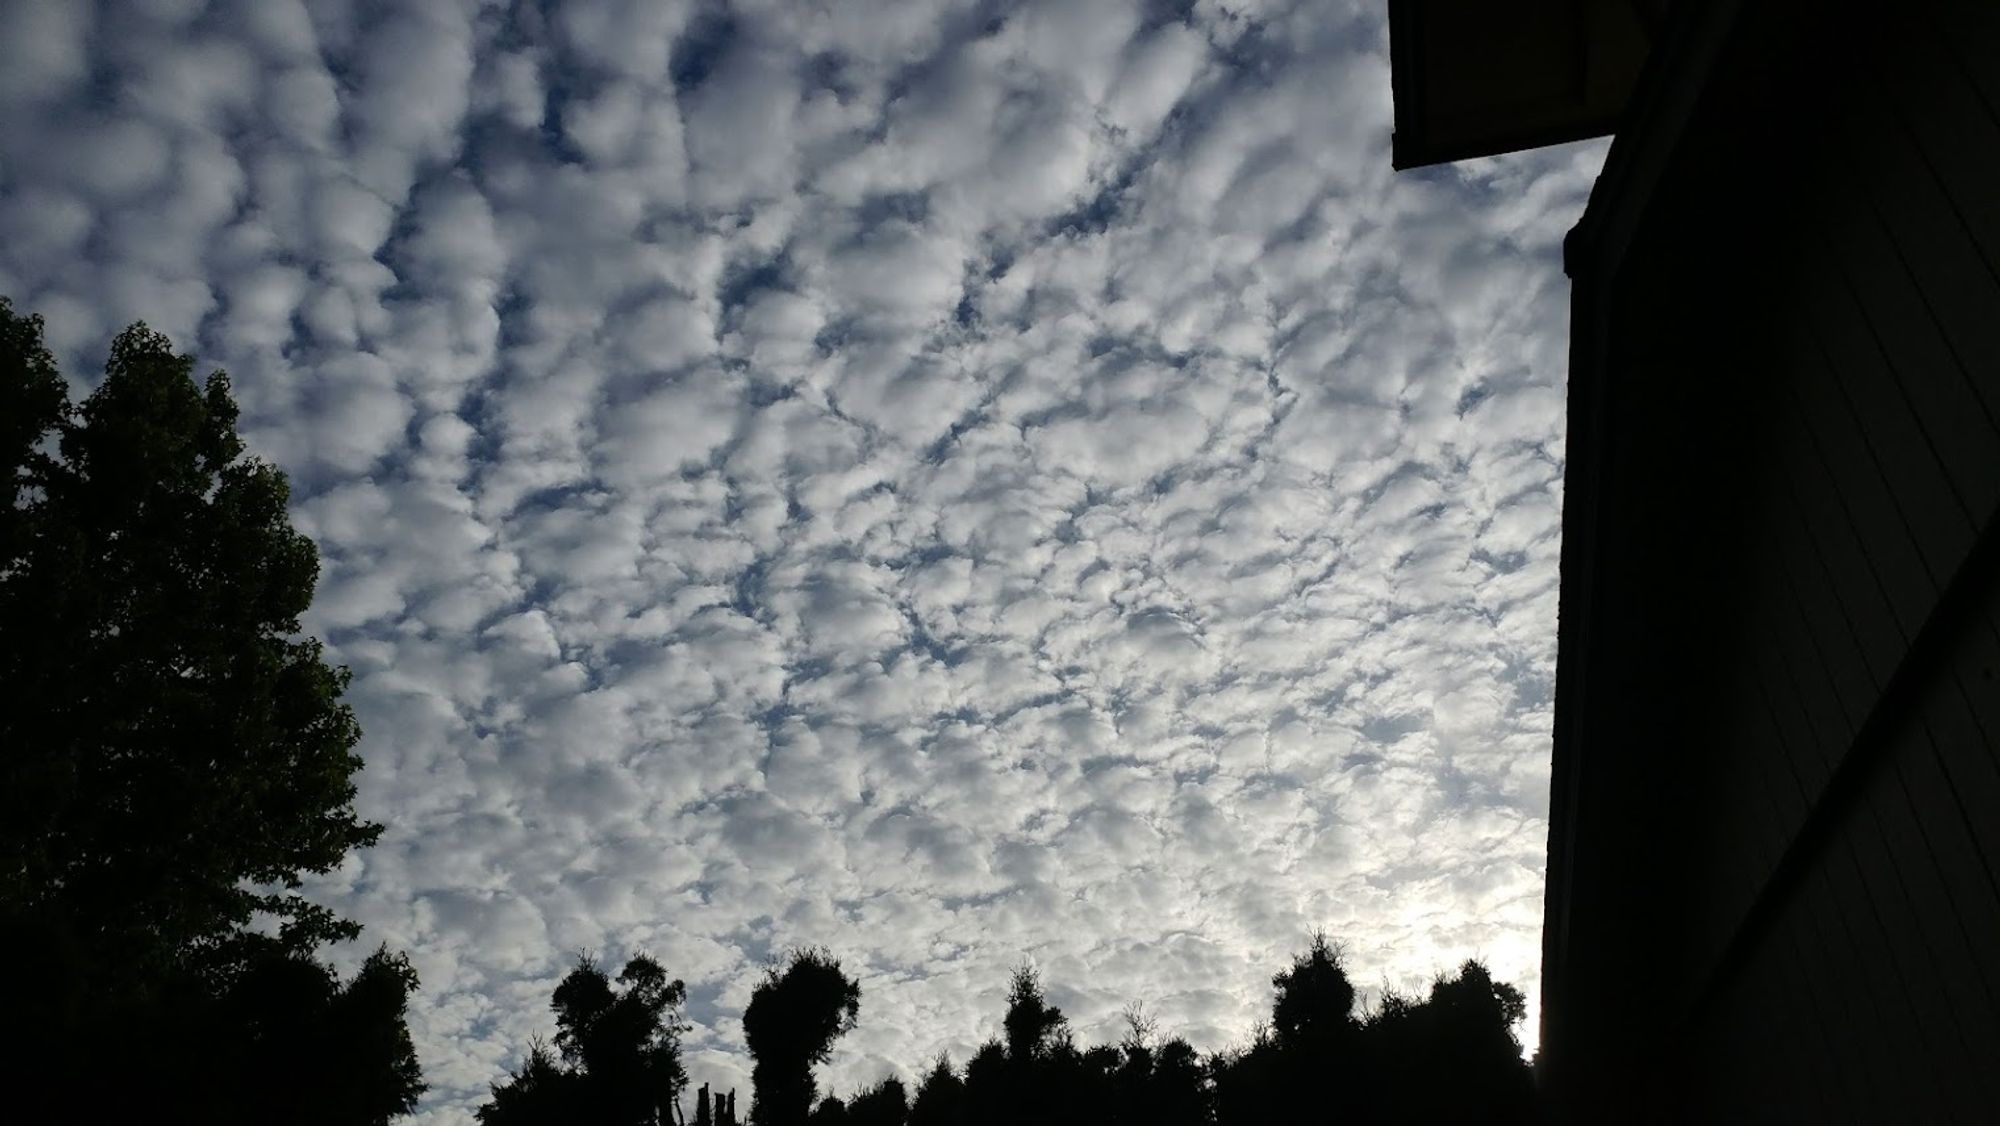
(940,1098)
(1034,1027)
(1447,1057)
(174,758)
(793,1018)
(1313,1010)
(617,1059)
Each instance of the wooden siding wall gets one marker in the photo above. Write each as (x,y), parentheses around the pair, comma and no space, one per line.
(1803,405)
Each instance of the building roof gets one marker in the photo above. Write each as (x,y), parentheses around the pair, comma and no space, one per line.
(1480,77)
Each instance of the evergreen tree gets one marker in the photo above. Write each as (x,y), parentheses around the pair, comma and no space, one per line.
(940,1097)
(1032,1024)
(992,1095)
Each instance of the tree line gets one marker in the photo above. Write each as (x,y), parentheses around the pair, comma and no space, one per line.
(1448,1056)
(176,758)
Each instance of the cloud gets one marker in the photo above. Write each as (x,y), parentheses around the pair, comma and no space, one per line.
(953,483)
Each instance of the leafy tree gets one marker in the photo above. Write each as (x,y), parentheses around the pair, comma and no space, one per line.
(300,1046)
(793,1018)
(173,756)
(619,1053)
(176,755)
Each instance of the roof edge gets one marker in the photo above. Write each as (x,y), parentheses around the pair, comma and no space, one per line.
(1676,74)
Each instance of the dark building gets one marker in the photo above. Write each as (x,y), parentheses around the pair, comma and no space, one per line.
(1775,818)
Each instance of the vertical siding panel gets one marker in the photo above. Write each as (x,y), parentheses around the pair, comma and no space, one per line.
(1863,882)
(1862,963)
(1799,746)
(1968,785)
(1967,721)
(1912,468)
(1922,916)
(1852,954)
(1849,1008)
(1823,1080)
(1971,970)
(1936,98)
(1757,792)
(1854,641)
(1968,33)
(1865,520)
(1883,302)
(1929,236)
(1955,825)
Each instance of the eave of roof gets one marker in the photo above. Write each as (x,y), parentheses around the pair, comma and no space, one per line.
(1475,78)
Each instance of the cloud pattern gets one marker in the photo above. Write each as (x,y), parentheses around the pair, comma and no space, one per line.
(952,482)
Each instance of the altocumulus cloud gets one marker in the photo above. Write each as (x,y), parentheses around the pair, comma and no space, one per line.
(951,483)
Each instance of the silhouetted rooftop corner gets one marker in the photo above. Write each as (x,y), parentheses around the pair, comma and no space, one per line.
(1480,77)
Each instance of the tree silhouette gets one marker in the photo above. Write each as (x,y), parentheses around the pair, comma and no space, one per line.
(793,1018)
(1033,1025)
(541,1092)
(619,1053)
(1312,1046)
(173,757)
(1453,1056)
(1449,1057)
(285,1041)
(991,1094)
(940,1097)
(884,1104)
(1313,1011)
(1166,1084)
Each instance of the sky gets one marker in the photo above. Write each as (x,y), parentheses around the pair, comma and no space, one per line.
(955,483)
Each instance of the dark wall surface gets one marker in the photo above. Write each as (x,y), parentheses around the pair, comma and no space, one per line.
(1776,824)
